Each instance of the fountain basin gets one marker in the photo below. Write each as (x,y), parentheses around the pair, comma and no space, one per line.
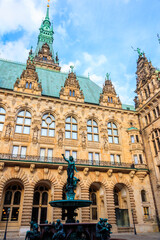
(70,206)
(70,203)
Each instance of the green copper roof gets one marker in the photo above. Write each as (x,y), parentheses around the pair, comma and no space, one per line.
(128,107)
(51,81)
(45,35)
(132,128)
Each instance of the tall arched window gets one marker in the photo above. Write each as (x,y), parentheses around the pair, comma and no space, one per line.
(12,199)
(23,122)
(71,128)
(93,207)
(92,131)
(156,140)
(48,125)
(2,118)
(40,203)
(143,196)
(113,133)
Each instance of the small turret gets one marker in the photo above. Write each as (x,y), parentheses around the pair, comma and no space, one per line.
(109,96)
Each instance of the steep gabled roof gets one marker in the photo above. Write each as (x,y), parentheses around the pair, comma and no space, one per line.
(51,81)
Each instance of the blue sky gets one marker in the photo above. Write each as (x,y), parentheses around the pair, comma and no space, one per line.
(94,35)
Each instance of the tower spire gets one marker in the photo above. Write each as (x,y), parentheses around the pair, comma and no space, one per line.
(44,53)
(47,13)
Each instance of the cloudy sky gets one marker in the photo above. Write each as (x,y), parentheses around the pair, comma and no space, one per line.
(94,35)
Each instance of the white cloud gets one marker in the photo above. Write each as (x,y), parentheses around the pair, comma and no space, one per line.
(15,51)
(20,14)
(66,67)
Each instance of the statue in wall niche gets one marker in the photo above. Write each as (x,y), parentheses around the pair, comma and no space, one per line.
(105,140)
(35,134)
(60,234)
(103,229)
(8,131)
(83,139)
(60,138)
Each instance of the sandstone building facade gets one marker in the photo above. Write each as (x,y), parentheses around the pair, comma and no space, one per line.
(44,113)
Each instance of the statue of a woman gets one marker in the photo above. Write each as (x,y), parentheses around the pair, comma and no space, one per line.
(70,169)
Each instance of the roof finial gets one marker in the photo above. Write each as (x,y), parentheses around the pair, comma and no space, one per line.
(48,4)
(107,76)
(72,67)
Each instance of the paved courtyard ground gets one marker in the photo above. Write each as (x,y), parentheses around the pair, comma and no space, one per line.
(126,236)
(140,236)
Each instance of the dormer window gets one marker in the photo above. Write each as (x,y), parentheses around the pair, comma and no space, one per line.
(30,85)
(45,58)
(26,84)
(111,100)
(73,93)
(70,93)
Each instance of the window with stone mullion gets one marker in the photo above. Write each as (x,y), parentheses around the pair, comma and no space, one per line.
(92,131)
(23,122)
(48,125)
(2,118)
(113,133)
(12,200)
(71,127)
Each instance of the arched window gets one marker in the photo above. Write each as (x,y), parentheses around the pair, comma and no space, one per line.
(92,131)
(111,100)
(113,133)
(108,99)
(143,196)
(23,122)
(94,207)
(30,85)
(73,93)
(26,84)
(12,199)
(71,128)
(48,125)
(2,118)
(70,93)
(156,140)
(40,203)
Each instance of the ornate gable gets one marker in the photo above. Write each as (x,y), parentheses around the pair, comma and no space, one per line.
(29,82)
(109,96)
(71,90)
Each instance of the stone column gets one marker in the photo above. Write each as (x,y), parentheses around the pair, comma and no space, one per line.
(111,209)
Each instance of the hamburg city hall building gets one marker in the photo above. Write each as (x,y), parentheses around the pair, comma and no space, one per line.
(45,113)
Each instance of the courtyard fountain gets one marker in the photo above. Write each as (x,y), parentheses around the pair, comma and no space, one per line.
(72,229)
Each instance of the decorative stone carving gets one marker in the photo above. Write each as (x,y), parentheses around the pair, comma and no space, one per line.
(105,142)
(1,166)
(35,135)
(29,82)
(32,168)
(86,171)
(46,170)
(60,138)
(109,96)
(60,170)
(71,90)
(97,173)
(131,174)
(110,171)
(141,175)
(120,175)
(84,142)
(17,168)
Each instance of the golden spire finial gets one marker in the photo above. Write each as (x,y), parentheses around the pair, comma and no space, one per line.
(48,3)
